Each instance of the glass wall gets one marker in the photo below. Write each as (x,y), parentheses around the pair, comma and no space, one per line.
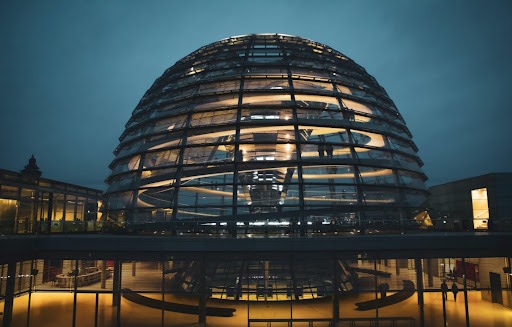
(267,131)
(355,290)
(38,205)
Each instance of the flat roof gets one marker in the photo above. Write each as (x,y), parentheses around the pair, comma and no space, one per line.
(95,246)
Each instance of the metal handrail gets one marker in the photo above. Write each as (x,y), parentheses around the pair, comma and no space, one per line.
(332,322)
(248,229)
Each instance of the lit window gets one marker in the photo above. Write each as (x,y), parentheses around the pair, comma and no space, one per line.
(480,208)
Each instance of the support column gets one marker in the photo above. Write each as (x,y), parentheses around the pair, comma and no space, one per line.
(430,275)
(134,263)
(162,288)
(335,290)
(96,310)
(49,215)
(202,293)
(375,280)
(103,274)
(294,295)
(419,286)
(116,290)
(32,281)
(266,275)
(465,291)
(509,275)
(9,293)
(116,283)
(75,286)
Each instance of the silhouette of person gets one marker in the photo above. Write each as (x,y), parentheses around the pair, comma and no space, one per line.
(455,290)
(321,150)
(329,150)
(383,288)
(240,155)
(444,290)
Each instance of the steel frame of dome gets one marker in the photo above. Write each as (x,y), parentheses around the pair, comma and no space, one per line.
(238,134)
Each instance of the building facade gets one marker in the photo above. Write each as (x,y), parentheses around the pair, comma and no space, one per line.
(128,280)
(476,203)
(32,204)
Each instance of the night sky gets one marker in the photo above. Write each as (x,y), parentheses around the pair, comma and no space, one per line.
(71,72)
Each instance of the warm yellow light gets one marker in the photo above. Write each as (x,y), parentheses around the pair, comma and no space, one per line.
(317,98)
(380,172)
(265,98)
(480,208)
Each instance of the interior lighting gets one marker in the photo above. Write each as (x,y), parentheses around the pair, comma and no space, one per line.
(203,158)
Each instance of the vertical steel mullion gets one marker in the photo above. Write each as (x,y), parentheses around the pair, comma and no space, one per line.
(464,279)
(138,175)
(9,293)
(75,286)
(75,208)
(20,284)
(96,310)
(376,292)
(236,162)
(49,221)
(348,116)
(37,194)
(163,291)
(41,211)
(64,208)
(396,176)
(179,170)
(419,286)
(30,292)
(247,272)
(116,289)
(50,213)
(298,143)
(359,181)
(335,289)
(17,215)
(234,200)
(509,275)
(120,265)
(202,291)
(2,277)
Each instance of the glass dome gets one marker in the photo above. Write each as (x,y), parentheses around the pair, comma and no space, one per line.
(265,131)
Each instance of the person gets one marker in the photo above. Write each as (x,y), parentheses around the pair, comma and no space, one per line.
(321,150)
(444,290)
(383,288)
(329,150)
(455,290)
(240,155)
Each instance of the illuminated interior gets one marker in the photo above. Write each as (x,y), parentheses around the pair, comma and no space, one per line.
(7,214)
(27,206)
(480,208)
(265,128)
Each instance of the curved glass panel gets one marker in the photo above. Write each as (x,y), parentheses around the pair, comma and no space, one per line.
(265,130)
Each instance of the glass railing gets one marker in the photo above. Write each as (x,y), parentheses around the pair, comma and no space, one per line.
(260,229)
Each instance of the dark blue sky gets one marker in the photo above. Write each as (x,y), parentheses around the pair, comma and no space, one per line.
(71,72)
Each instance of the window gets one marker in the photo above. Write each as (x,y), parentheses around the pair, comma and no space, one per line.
(480,208)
